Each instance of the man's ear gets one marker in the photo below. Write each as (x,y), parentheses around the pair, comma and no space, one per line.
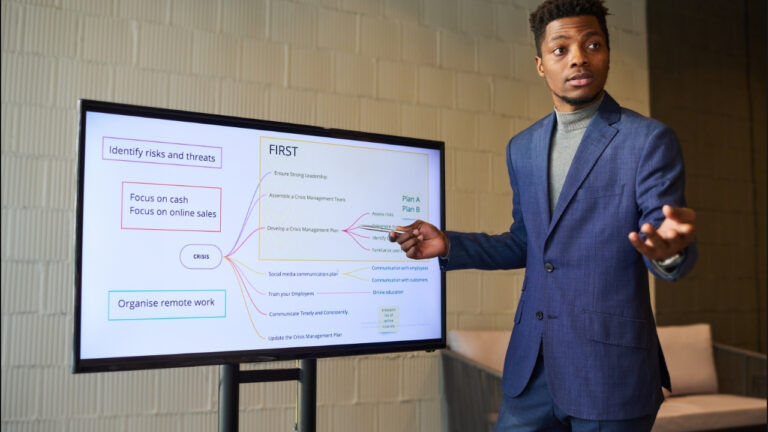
(539,67)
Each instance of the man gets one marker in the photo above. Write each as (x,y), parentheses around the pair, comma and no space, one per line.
(584,353)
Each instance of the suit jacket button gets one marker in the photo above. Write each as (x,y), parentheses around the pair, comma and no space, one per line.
(539,315)
(549,267)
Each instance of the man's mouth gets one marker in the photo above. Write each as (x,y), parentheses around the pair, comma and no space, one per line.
(581,79)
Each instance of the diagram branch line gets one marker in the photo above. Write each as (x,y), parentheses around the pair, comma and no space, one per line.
(243,286)
(355,276)
(250,318)
(246,239)
(358,243)
(358,235)
(356,270)
(242,264)
(251,206)
(355,222)
(342,292)
(248,281)
(247,291)
(350,274)
(354,226)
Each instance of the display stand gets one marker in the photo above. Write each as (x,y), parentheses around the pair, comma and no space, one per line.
(230,378)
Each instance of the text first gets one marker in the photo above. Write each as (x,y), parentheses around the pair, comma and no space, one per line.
(282,150)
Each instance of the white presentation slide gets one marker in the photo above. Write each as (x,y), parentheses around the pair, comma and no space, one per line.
(200,238)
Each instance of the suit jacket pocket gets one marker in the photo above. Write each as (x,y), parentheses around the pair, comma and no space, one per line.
(616,330)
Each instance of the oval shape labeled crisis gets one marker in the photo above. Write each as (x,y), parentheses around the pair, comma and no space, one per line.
(200,256)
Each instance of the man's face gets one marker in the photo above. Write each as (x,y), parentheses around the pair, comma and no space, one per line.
(574,61)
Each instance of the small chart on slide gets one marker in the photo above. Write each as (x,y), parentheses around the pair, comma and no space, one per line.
(248,239)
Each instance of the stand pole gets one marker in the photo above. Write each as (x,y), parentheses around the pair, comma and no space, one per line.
(308,396)
(230,378)
(229,397)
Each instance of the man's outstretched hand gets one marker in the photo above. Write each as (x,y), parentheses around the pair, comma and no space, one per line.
(671,237)
(421,240)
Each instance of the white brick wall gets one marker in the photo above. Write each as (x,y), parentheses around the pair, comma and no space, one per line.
(420,121)
(337,30)
(244,18)
(396,81)
(436,86)
(355,74)
(311,69)
(460,71)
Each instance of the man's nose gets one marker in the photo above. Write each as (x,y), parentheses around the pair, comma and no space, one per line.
(578,57)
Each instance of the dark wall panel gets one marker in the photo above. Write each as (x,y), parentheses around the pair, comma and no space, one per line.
(707,69)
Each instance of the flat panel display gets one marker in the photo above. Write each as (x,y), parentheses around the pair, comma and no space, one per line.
(206,239)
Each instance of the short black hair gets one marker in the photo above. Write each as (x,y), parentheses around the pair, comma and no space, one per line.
(552,10)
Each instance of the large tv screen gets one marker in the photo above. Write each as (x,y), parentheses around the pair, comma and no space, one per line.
(206,239)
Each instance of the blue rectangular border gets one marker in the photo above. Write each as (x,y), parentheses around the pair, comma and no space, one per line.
(109,294)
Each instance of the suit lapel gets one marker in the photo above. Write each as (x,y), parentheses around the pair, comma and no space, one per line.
(598,135)
(540,162)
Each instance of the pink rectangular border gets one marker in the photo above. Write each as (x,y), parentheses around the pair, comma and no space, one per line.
(221,152)
(122,200)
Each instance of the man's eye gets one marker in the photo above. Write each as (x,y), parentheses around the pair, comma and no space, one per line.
(594,45)
(558,51)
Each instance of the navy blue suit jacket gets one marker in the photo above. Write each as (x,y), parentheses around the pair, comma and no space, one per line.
(585,298)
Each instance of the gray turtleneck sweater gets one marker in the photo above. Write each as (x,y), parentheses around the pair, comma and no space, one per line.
(569,129)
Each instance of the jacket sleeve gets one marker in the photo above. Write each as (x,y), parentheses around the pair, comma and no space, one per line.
(491,252)
(660,180)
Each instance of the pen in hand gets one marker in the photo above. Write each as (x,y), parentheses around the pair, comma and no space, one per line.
(381,229)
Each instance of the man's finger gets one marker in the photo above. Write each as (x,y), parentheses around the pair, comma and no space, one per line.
(653,248)
(652,237)
(638,243)
(672,229)
(412,252)
(680,214)
(409,243)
